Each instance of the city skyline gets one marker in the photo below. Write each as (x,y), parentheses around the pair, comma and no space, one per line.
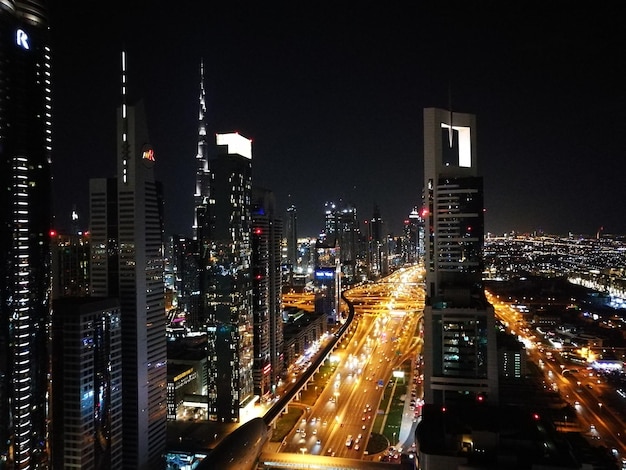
(333,98)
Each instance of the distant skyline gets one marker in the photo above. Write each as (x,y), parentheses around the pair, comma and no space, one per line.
(333,95)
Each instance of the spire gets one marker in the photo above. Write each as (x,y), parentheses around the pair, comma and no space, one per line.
(201,194)
(125,149)
(202,113)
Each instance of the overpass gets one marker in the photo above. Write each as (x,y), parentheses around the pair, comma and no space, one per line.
(240,450)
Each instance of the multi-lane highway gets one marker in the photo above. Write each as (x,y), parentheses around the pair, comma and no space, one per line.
(387,315)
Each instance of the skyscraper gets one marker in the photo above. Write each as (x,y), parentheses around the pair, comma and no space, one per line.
(460,356)
(223,236)
(376,246)
(291,236)
(70,264)
(267,289)
(87,366)
(127,263)
(25,223)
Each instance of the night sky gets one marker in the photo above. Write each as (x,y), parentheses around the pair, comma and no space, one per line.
(332,96)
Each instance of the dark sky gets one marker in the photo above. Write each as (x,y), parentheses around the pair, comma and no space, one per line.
(332,95)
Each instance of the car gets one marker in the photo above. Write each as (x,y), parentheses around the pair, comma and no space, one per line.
(319,442)
(357,447)
(330,450)
(359,436)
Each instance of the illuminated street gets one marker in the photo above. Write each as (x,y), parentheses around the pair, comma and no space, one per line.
(386,334)
(577,383)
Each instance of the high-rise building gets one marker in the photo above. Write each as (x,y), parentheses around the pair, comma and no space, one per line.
(25,223)
(184,269)
(224,261)
(291,237)
(460,355)
(203,175)
(70,264)
(376,247)
(127,263)
(87,366)
(341,229)
(413,245)
(267,289)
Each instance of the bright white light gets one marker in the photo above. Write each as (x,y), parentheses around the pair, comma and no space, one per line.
(465,144)
(237,144)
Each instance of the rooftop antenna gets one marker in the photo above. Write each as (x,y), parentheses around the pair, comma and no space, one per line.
(125,149)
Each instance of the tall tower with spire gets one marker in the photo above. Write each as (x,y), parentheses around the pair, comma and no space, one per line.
(203,174)
(460,356)
(127,263)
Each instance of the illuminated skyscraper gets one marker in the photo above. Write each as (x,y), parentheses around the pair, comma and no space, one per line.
(413,247)
(460,356)
(376,247)
(203,175)
(25,223)
(223,235)
(70,264)
(266,281)
(291,236)
(87,365)
(193,301)
(127,263)
(341,229)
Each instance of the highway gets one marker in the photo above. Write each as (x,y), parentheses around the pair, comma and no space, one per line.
(387,315)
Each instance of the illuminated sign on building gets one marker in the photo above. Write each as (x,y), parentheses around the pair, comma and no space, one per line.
(237,144)
(21,39)
(465,144)
(147,155)
(325,273)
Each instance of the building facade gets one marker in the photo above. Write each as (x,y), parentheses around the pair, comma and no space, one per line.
(127,263)
(460,354)
(87,369)
(267,289)
(224,260)
(70,264)
(25,223)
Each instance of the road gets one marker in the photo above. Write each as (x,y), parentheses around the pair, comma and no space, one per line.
(578,384)
(387,314)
